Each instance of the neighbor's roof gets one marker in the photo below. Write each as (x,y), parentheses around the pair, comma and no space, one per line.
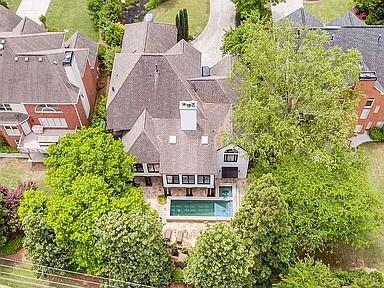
(347,19)
(8,20)
(303,18)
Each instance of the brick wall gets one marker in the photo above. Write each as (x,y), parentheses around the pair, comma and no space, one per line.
(367,87)
(90,84)
(9,139)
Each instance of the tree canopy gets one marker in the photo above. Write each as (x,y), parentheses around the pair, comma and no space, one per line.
(247,8)
(264,223)
(219,259)
(374,9)
(133,249)
(296,94)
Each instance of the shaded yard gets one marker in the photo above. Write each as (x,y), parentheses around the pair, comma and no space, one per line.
(198,12)
(71,15)
(328,10)
(16,171)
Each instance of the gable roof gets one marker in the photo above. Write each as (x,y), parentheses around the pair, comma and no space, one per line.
(80,41)
(302,18)
(28,26)
(8,20)
(347,19)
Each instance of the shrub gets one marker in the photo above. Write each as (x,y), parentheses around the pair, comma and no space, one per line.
(376,133)
(110,58)
(178,275)
(110,12)
(113,34)
(5,148)
(4,3)
(12,246)
(173,249)
(161,199)
(99,120)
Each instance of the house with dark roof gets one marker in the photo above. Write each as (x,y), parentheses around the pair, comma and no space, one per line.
(349,32)
(172,114)
(47,84)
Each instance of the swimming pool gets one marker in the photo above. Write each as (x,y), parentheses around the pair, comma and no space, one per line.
(201,208)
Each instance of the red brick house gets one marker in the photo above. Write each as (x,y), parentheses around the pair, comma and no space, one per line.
(47,84)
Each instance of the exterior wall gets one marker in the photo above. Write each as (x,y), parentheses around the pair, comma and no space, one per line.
(181,185)
(90,83)
(367,87)
(68,112)
(9,139)
(83,117)
(242,161)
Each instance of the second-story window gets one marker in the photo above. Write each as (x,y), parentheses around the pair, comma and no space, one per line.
(203,179)
(139,168)
(12,130)
(5,108)
(231,155)
(173,179)
(46,108)
(188,179)
(153,168)
(53,122)
(369,103)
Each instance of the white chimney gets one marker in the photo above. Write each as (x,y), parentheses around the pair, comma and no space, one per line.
(188,115)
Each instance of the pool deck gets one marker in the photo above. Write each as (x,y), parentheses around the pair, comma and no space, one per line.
(192,227)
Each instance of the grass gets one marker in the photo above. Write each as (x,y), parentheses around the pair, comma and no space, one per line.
(198,12)
(71,15)
(328,10)
(16,171)
(13,4)
(11,246)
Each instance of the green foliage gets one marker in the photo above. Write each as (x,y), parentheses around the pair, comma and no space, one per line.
(177,275)
(161,199)
(152,4)
(110,58)
(4,3)
(264,224)
(133,249)
(360,279)
(374,9)
(246,8)
(99,119)
(110,12)
(219,259)
(113,34)
(89,151)
(376,133)
(291,92)
(5,148)
(11,246)
(308,273)
(329,201)
(73,212)
(39,239)
(182,25)
(3,228)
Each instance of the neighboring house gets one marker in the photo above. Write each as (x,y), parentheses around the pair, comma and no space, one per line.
(348,32)
(47,84)
(171,114)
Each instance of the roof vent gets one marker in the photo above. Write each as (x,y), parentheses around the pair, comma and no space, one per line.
(205,71)
(172,140)
(2,41)
(55,62)
(16,59)
(26,59)
(40,59)
(1,47)
(68,55)
(149,17)
(379,38)
(332,37)
(204,140)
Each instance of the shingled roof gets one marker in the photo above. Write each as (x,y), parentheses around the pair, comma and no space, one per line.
(147,84)
(347,19)
(8,20)
(303,18)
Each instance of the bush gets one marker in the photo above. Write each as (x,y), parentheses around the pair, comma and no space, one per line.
(161,199)
(5,148)
(113,34)
(4,3)
(178,275)
(110,58)
(12,246)
(376,133)
(99,120)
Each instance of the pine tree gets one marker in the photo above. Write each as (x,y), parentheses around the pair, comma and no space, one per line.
(182,24)
(186,24)
(178,27)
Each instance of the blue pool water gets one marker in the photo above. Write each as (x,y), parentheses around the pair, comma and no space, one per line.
(216,208)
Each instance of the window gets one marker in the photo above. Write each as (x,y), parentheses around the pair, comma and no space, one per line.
(230,155)
(369,125)
(5,107)
(53,122)
(12,130)
(369,103)
(153,168)
(203,179)
(173,179)
(365,113)
(139,168)
(46,108)
(377,108)
(188,179)
(379,124)
(358,128)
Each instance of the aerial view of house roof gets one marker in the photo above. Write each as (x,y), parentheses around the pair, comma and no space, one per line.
(150,78)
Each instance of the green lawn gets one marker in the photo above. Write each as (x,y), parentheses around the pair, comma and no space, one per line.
(198,12)
(328,10)
(71,15)
(13,4)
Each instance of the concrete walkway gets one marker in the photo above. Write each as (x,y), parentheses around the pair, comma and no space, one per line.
(33,9)
(221,19)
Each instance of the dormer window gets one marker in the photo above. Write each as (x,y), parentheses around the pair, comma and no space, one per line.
(231,155)
(5,107)
(46,108)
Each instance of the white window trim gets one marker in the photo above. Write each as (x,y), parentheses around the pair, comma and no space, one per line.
(10,131)
(365,113)
(53,126)
(358,128)
(377,108)
(369,125)
(47,112)
(379,124)
(6,109)
(373,102)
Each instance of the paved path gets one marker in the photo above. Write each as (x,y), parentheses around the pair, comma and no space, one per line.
(33,9)
(221,18)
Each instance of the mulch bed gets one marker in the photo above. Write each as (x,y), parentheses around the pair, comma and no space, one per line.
(135,13)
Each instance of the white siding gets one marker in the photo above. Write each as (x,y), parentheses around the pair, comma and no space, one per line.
(241,164)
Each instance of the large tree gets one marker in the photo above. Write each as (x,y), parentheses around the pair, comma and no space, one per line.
(374,9)
(261,8)
(219,259)
(89,151)
(296,94)
(329,201)
(133,249)
(263,222)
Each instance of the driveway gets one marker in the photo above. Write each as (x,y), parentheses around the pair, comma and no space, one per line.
(33,9)
(221,19)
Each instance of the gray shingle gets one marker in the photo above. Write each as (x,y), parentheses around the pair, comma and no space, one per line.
(28,26)
(347,19)
(8,20)
(301,17)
